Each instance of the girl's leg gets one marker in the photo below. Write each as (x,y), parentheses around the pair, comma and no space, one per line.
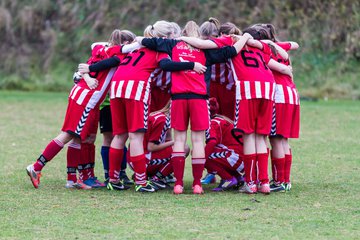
(137,157)
(107,138)
(277,159)
(249,163)
(288,162)
(262,163)
(198,155)
(116,154)
(178,158)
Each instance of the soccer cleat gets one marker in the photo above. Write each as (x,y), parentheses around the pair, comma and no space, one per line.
(125,179)
(287,186)
(209,178)
(248,188)
(158,184)
(94,182)
(34,175)
(226,185)
(148,188)
(119,186)
(264,188)
(178,189)
(197,189)
(81,185)
(277,187)
(69,184)
(170,179)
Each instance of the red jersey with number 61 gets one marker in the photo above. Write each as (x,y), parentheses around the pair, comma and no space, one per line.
(255,78)
(132,78)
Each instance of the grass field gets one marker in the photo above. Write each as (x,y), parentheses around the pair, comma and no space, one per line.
(323,204)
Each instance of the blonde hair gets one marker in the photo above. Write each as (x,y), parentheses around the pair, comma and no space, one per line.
(165,110)
(210,28)
(229,28)
(191,29)
(177,29)
(159,29)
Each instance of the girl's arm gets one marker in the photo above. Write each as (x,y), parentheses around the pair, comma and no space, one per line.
(279,49)
(99,66)
(199,43)
(152,147)
(281,68)
(130,47)
(91,82)
(294,45)
(171,66)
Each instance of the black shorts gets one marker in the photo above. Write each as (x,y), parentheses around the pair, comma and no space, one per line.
(105,120)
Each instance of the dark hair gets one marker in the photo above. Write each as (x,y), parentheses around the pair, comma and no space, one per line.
(260,34)
(229,28)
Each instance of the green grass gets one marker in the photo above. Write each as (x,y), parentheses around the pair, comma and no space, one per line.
(324,202)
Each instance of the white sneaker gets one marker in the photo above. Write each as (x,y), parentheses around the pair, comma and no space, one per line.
(69,184)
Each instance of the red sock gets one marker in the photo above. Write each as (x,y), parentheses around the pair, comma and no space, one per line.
(278,166)
(152,169)
(216,167)
(250,168)
(139,164)
(115,158)
(167,169)
(197,169)
(262,160)
(49,153)
(287,168)
(72,158)
(178,163)
(84,165)
(91,150)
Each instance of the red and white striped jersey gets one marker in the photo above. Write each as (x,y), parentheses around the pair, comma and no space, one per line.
(132,78)
(161,79)
(255,79)
(220,131)
(222,72)
(90,98)
(158,126)
(285,91)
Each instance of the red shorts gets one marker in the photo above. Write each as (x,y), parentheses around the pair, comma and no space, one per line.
(194,109)
(159,98)
(80,121)
(128,115)
(225,98)
(287,120)
(254,116)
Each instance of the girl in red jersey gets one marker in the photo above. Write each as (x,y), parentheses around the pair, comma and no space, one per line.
(254,98)
(287,115)
(189,93)
(223,151)
(129,101)
(83,106)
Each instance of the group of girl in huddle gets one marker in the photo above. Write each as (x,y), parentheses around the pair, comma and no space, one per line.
(159,83)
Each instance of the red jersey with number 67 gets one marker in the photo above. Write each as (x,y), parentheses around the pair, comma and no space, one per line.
(132,78)
(255,78)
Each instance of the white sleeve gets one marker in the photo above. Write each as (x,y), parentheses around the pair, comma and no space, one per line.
(130,47)
(98,43)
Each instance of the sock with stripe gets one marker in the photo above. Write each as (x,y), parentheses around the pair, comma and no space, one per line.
(139,164)
(178,163)
(84,164)
(287,168)
(197,169)
(115,156)
(262,161)
(250,168)
(53,148)
(278,167)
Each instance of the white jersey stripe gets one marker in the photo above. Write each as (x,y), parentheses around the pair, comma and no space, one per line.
(267,90)
(238,90)
(119,89)
(75,92)
(247,90)
(139,90)
(291,97)
(82,96)
(112,90)
(258,89)
(129,88)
